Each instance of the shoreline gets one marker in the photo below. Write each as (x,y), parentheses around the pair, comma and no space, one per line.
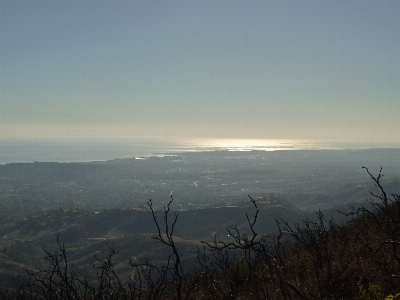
(88,157)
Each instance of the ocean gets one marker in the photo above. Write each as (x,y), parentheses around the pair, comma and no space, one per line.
(25,151)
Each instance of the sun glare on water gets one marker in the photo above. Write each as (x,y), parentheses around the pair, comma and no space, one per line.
(254,144)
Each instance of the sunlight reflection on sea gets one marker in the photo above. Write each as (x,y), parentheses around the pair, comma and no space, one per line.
(20,151)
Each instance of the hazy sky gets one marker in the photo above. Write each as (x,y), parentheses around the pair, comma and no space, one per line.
(325,70)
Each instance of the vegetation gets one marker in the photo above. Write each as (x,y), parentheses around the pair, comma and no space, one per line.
(313,259)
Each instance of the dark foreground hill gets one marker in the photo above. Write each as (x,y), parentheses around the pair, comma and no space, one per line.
(127,230)
(312,259)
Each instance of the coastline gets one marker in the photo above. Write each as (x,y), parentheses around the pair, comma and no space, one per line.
(27,151)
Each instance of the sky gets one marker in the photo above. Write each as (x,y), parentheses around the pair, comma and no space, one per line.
(320,70)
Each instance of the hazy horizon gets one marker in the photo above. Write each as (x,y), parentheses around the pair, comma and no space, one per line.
(86,150)
(180,70)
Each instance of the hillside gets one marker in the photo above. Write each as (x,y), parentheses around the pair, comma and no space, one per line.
(126,231)
(314,263)
(312,259)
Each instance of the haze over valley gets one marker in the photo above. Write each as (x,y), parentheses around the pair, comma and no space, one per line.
(95,204)
(199,149)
